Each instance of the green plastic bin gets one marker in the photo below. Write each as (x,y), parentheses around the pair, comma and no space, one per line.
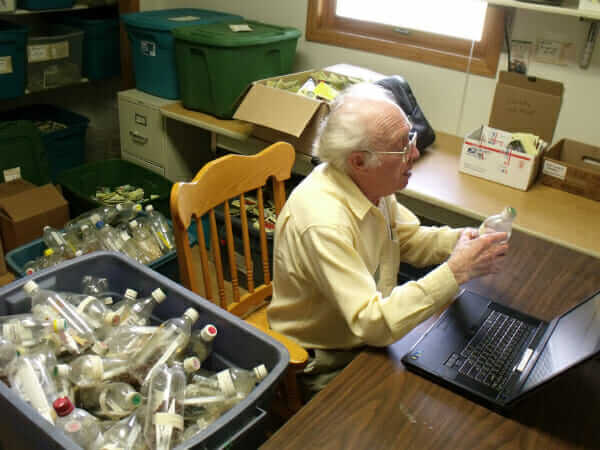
(21,146)
(64,147)
(79,184)
(215,64)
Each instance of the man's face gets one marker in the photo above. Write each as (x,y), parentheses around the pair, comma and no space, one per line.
(396,162)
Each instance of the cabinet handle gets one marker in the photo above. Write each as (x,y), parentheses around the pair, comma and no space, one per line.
(138,137)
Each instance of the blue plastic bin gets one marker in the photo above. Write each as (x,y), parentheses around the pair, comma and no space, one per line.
(101,43)
(153,45)
(238,344)
(45,4)
(65,148)
(166,264)
(13,64)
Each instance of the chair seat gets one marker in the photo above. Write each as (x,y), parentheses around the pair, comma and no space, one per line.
(258,318)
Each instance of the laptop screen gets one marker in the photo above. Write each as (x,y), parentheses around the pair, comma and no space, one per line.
(576,337)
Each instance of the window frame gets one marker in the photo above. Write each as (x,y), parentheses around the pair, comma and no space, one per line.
(322,25)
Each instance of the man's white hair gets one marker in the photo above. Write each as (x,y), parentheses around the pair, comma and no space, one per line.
(346,128)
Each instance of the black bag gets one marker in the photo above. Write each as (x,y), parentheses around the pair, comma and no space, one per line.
(407,101)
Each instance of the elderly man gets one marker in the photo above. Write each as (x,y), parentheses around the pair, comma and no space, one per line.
(342,234)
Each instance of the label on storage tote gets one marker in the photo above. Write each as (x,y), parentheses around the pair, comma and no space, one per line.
(47,52)
(554,170)
(184,18)
(12,174)
(242,27)
(148,48)
(6,65)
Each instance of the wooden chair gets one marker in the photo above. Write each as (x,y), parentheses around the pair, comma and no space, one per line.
(219,181)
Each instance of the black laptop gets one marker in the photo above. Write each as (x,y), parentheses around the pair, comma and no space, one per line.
(496,355)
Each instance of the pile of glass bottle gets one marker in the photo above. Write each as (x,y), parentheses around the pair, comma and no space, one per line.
(94,366)
(142,235)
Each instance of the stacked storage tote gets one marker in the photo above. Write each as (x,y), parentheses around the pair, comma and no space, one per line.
(54,53)
(216,62)
(13,39)
(62,132)
(153,45)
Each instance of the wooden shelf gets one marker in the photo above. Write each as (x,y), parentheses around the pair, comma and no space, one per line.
(568,8)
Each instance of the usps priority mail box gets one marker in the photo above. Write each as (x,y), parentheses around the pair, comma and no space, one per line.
(486,154)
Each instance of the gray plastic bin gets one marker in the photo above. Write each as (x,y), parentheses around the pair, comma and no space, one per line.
(54,56)
(237,345)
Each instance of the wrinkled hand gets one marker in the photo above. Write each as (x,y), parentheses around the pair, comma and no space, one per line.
(475,256)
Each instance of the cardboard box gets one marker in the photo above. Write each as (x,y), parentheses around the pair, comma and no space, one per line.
(485,154)
(26,208)
(573,167)
(526,104)
(281,115)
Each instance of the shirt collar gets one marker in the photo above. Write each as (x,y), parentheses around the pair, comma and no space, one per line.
(357,201)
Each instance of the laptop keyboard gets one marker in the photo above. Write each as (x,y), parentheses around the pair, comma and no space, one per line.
(489,356)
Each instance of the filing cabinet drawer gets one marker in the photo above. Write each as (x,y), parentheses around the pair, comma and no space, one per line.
(141,132)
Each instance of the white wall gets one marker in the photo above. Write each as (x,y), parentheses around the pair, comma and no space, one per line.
(440,91)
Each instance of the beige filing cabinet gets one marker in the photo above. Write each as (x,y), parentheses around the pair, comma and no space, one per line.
(170,148)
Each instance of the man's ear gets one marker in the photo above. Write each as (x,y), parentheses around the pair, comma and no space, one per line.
(356,161)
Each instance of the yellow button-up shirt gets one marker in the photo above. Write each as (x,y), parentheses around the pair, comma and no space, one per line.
(336,260)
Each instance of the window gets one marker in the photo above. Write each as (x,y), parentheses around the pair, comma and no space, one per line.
(384,28)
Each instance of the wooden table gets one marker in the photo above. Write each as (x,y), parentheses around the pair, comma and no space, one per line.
(375,403)
(438,191)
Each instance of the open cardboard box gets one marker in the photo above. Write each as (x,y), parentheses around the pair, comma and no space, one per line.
(280,115)
(573,167)
(26,208)
(526,105)
(485,154)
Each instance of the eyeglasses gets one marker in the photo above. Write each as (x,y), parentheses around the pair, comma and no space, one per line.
(412,141)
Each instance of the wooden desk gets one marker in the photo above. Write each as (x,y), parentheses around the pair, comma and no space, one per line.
(439,192)
(376,404)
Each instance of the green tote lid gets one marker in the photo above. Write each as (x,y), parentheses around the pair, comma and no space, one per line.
(222,35)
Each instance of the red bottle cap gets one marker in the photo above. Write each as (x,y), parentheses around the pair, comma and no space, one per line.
(63,406)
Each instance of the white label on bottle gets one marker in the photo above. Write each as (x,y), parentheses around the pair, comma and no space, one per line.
(96,368)
(12,174)
(554,170)
(148,48)
(169,419)
(8,331)
(226,382)
(184,18)
(6,65)
(25,335)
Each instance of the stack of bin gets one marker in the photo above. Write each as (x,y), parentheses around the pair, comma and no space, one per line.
(153,45)
(13,63)
(63,138)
